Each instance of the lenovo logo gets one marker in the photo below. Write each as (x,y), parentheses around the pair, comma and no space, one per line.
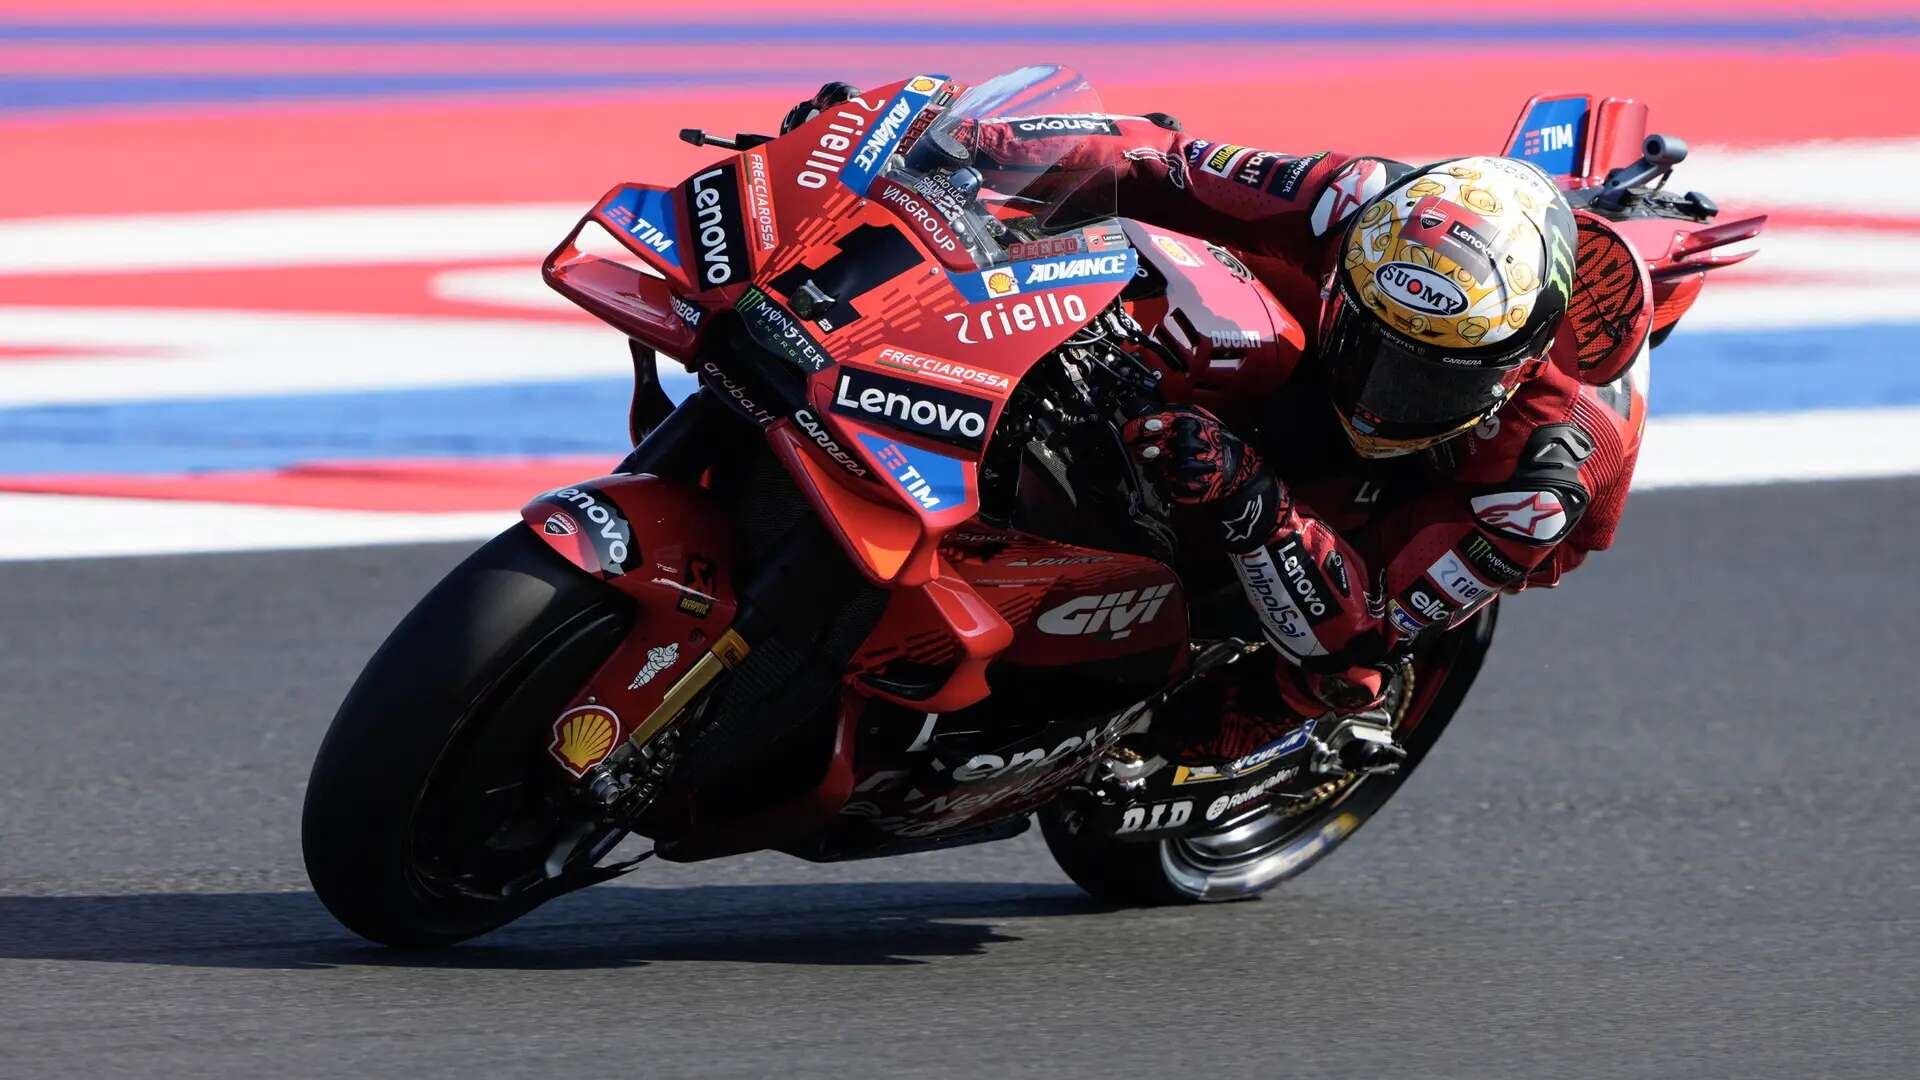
(960,419)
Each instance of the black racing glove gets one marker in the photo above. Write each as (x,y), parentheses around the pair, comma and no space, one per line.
(1203,465)
(829,95)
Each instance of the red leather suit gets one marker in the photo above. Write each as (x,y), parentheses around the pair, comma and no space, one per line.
(1371,553)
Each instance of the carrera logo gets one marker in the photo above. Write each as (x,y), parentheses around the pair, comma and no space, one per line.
(1037,127)
(959,419)
(1114,615)
(1535,516)
(817,431)
(1422,289)
(714,196)
(687,312)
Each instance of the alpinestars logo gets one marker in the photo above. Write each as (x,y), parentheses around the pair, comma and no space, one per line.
(1537,517)
(1240,528)
(1114,615)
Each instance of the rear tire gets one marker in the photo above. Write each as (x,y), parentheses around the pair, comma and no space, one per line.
(454,704)
(1259,851)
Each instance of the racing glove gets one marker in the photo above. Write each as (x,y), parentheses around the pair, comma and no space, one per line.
(1203,465)
(831,94)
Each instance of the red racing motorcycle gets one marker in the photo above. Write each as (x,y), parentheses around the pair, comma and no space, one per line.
(886,581)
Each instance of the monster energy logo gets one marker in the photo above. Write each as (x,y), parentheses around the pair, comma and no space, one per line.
(1559,262)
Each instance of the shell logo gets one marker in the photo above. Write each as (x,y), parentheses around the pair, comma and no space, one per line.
(922,84)
(583,737)
(1175,250)
(1000,283)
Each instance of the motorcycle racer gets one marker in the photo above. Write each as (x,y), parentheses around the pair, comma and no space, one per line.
(1443,440)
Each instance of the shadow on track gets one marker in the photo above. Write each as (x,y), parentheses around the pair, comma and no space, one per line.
(826,924)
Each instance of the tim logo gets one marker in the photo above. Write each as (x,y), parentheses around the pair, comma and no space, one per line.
(1546,140)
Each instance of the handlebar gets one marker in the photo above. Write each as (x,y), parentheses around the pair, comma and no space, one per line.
(1658,155)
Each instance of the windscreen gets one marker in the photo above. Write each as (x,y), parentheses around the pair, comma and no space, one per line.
(1009,161)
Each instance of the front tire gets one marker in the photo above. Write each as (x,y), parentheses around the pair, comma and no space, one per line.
(431,798)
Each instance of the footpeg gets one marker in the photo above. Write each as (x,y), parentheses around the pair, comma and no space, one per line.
(1358,744)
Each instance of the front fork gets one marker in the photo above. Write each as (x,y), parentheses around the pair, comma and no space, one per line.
(657,489)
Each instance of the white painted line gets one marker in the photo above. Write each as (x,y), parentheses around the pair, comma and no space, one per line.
(1765,448)
(1690,451)
(211,354)
(1866,176)
(320,236)
(66,526)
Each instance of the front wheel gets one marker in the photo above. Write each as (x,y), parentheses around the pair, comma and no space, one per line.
(1253,854)
(431,814)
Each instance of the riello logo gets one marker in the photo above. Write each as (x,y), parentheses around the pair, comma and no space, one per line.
(1113,614)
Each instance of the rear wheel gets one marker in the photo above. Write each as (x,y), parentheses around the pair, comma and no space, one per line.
(1253,854)
(432,815)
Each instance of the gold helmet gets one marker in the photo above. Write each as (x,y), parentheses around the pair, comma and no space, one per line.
(1450,286)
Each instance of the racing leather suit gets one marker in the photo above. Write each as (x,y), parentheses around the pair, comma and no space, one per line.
(1361,556)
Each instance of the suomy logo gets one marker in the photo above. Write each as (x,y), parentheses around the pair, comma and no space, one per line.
(960,419)
(1420,288)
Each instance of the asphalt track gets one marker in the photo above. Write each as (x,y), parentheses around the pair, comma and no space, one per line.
(1674,834)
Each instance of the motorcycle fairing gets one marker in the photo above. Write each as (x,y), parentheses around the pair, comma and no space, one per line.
(665,545)
(1031,602)
(1236,340)
(644,307)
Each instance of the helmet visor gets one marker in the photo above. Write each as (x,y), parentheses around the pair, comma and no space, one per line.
(1393,390)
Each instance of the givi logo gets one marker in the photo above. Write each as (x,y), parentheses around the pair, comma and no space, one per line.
(1112,614)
